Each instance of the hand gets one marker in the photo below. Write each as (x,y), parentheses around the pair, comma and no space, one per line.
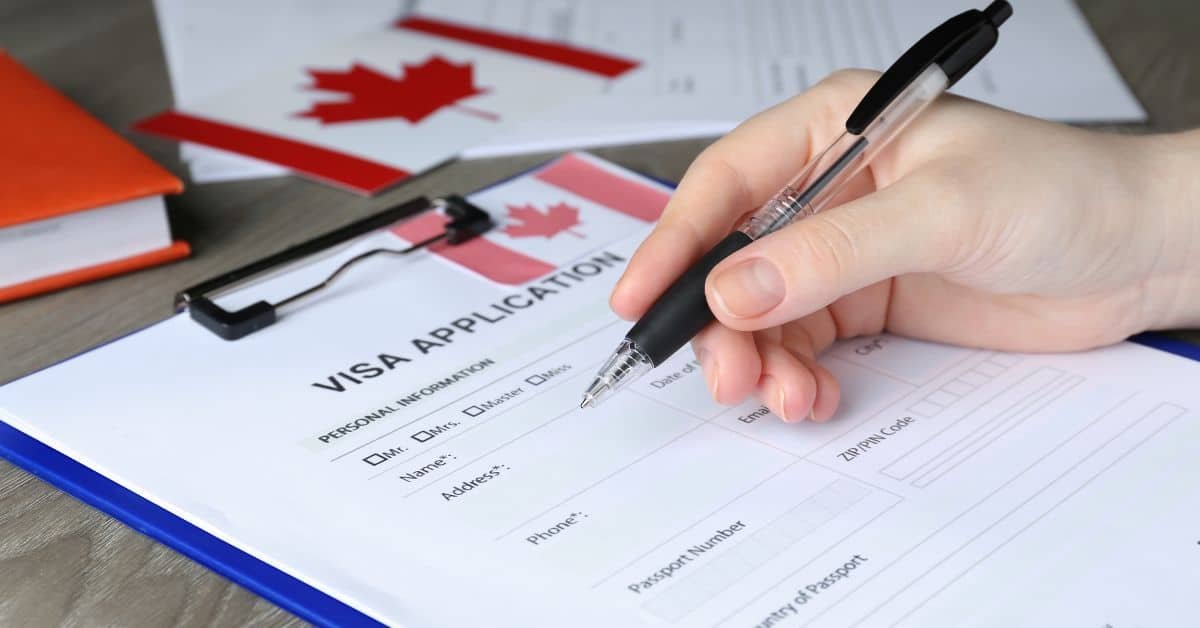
(976,226)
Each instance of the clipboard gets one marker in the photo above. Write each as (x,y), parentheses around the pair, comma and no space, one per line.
(305,601)
(464,222)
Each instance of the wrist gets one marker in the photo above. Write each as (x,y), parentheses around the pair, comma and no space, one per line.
(1172,181)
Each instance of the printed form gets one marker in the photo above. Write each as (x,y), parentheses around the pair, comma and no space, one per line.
(708,64)
(411,443)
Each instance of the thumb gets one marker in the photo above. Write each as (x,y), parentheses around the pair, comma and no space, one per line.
(904,228)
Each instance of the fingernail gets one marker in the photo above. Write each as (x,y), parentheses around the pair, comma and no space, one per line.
(748,289)
(771,390)
(709,365)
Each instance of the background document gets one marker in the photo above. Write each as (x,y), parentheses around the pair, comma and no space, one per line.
(706,64)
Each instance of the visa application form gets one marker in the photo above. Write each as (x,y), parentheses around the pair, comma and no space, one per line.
(411,443)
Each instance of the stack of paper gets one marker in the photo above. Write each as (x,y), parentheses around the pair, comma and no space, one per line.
(705,65)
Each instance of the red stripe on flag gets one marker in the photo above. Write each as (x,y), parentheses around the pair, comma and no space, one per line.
(562,54)
(355,173)
(584,178)
(481,255)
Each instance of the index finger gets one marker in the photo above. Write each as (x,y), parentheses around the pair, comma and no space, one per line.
(731,177)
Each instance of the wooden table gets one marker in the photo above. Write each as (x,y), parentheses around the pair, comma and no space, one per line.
(62,562)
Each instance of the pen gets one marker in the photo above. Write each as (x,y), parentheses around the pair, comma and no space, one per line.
(931,66)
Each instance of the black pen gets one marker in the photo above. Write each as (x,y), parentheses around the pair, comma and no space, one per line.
(916,79)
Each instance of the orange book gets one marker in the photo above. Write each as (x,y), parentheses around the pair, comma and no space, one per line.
(77,201)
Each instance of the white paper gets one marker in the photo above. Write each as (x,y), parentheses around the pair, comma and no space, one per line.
(955,487)
(212,46)
(50,246)
(710,64)
(707,64)
(389,122)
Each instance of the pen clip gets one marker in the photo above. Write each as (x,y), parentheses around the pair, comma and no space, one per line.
(956,45)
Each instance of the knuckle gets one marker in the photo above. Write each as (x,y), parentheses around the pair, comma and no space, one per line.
(832,98)
(836,247)
(845,85)
(706,163)
(850,77)
(712,168)
(798,340)
(826,250)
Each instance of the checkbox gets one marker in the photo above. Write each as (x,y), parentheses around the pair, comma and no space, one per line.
(375,460)
(975,378)
(958,387)
(422,436)
(1004,359)
(473,411)
(925,409)
(942,398)
(535,380)
(989,369)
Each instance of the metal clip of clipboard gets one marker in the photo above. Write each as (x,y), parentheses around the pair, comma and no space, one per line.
(466,221)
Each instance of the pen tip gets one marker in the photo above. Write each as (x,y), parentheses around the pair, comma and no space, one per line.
(587,401)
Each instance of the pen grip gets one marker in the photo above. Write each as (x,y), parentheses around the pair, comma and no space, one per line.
(682,311)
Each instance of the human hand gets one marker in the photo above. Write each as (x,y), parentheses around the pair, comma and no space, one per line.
(976,226)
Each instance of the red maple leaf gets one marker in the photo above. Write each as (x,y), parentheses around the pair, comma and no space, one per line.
(419,92)
(556,219)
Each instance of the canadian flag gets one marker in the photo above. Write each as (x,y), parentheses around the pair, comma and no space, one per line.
(367,113)
(548,217)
